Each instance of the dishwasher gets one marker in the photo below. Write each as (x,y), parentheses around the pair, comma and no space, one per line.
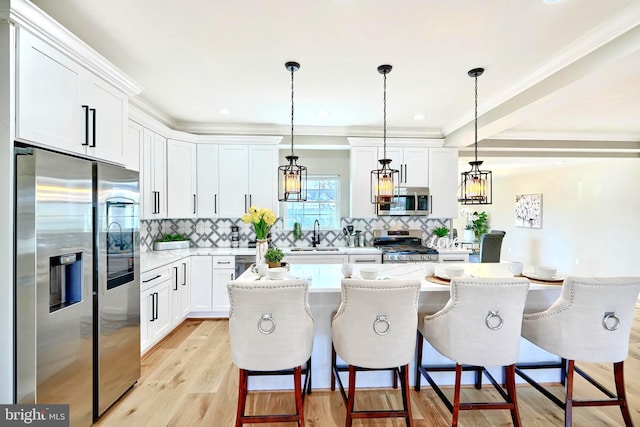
(243,262)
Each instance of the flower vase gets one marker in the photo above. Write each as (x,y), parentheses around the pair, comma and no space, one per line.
(261,248)
(469,236)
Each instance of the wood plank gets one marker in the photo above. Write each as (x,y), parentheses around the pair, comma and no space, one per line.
(189,380)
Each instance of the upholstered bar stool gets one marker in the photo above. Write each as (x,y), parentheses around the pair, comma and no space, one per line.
(589,322)
(374,329)
(478,327)
(271,332)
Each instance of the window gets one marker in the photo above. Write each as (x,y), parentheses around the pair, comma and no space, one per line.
(323,204)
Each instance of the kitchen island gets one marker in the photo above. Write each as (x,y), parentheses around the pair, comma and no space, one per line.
(325,296)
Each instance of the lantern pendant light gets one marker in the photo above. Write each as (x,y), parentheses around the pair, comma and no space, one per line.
(292,178)
(475,184)
(383,180)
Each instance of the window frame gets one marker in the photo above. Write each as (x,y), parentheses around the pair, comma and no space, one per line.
(337,201)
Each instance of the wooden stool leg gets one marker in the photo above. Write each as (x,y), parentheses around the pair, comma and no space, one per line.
(568,410)
(351,397)
(456,396)
(618,372)
(395,378)
(406,393)
(242,395)
(419,341)
(510,378)
(297,385)
(333,365)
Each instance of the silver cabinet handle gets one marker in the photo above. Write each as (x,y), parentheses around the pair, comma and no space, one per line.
(223,262)
(245,203)
(405,173)
(430,204)
(370,261)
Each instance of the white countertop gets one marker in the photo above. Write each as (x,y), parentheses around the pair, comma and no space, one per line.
(327,277)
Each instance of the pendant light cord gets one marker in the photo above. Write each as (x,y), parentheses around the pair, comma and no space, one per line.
(292,70)
(476,121)
(384,110)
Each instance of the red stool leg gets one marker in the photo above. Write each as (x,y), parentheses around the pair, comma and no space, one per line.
(351,396)
(618,372)
(456,396)
(297,385)
(510,378)
(242,396)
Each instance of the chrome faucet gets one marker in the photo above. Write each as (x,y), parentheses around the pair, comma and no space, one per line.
(315,240)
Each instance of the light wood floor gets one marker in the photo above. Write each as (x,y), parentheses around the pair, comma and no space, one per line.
(189,380)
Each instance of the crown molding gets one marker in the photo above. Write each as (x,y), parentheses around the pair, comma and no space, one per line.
(27,16)
(396,142)
(144,110)
(568,136)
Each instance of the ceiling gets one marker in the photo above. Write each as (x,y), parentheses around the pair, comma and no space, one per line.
(563,71)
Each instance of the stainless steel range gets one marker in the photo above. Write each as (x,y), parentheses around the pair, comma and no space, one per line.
(403,246)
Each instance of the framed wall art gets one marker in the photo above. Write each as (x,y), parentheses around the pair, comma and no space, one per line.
(529,210)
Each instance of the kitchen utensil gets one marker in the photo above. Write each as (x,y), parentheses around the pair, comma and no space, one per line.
(369,273)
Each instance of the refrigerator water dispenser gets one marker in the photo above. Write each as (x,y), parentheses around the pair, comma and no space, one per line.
(65,280)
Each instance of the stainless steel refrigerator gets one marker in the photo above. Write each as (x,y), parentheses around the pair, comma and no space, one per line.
(77,282)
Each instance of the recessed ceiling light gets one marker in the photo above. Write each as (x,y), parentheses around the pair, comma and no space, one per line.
(551,1)
(224,111)
(419,116)
(323,113)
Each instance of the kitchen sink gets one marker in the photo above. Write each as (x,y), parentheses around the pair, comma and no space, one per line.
(326,249)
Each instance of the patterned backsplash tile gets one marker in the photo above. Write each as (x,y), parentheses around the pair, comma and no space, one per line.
(207,233)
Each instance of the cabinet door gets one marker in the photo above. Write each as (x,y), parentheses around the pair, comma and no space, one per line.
(176,288)
(263,176)
(153,175)
(109,109)
(185,288)
(162,323)
(207,180)
(362,161)
(443,182)
(234,167)
(397,160)
(48,109)
(181,179)
(415,165)
(221,276)
(201,283)
(147,310)
(133,147)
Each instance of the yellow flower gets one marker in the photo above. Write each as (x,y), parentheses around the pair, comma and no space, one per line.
(246,218)
(253,211)
(269,217)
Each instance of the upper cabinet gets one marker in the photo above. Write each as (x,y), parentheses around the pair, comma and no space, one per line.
(133,146)
(362,161)
(62,105)
(252,174)
(411,162)
(181,179)
(443,182)
(153,176)
(207,180)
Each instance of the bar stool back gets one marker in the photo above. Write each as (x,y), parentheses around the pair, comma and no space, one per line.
(478,327)
(374,328)
(271,331)
(589,322)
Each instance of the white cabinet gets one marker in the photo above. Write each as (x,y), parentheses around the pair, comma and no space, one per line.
(412,162)
(316,258)
(133,146)
(62,105)
(201,283)
(362,161)
(207,180)
(365,259)
(155,305)
(152,178)
(223,272)
(181,179)
(253,170)
(180,291)
(443,183)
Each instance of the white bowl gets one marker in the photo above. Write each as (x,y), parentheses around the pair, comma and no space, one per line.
(278,273)
(454,271)
(369,273)
(545,272)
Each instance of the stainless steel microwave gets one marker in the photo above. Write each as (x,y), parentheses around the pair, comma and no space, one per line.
(409,201)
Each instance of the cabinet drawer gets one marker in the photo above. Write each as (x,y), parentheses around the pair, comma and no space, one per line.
(151,278)
(224,261)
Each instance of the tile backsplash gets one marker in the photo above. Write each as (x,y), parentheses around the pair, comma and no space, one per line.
(207,233)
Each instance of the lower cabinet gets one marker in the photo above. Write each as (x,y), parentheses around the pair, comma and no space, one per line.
(155,306)
(201,284)
(224,270)
(180,290)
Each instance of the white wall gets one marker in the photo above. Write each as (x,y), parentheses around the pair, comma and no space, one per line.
(591,213)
